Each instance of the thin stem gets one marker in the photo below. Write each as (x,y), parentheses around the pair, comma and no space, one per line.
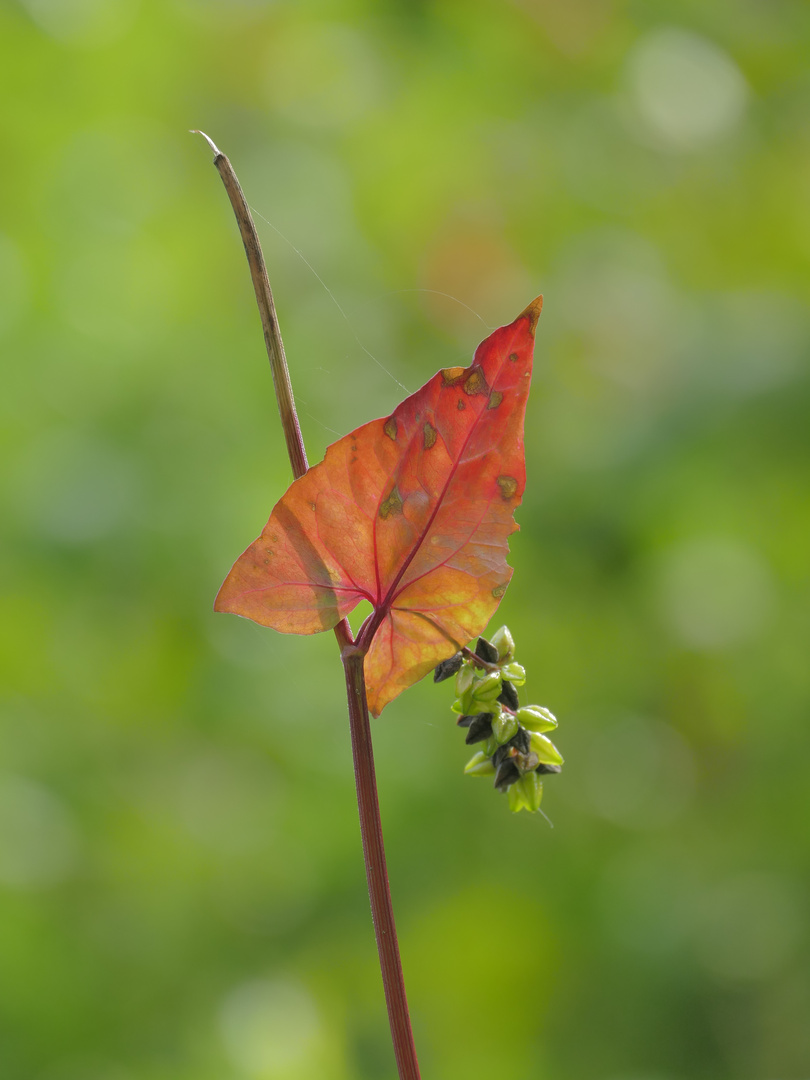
(267,311)
(368,804)
(379,892)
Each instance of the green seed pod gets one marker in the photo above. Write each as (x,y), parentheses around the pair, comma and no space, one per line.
(536,718)
(491,746)
(504,727)
(547,752)
(479,765)
(464,679)
(504,643)
(516,673)
(517,798)
(532,791)
(487,688)
(526,793)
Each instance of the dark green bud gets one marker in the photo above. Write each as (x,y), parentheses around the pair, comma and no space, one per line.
(480,728)
(505,774)
(509,696)
(519,742)
(447,668)
(486,651)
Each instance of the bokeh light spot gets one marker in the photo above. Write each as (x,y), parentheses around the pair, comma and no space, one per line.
(687,91)
(747,927)
(640,773)
(38,840)
(83,22)
(271,1029)
(322,74)
(76,489)
(715,592)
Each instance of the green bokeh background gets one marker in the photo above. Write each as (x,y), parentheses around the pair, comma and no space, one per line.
(181,885)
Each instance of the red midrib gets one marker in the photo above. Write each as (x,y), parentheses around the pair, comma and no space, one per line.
(370,627)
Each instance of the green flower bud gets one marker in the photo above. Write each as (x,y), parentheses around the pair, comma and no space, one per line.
(547,752)
(536,718)
(532,791)
(515,673)
(504,643)
(479,765)
(504,727)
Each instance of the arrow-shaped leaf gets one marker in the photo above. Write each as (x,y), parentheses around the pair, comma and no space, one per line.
(411,512)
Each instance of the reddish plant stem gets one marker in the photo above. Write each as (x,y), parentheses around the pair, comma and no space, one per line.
(379,892)
(368,804)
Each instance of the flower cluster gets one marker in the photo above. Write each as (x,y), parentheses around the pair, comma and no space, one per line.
(516,751)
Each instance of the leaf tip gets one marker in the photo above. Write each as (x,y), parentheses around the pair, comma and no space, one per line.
(532,313)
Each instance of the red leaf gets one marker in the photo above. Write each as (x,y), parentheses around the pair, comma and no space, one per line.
(411,512)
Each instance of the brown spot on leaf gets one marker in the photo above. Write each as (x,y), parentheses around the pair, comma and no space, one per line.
(461,404)
(390,428)
(532,313)
(392,505)
(495,398)
(499,590)
(475,383)
(508,486)
(430,434)
(452,375)
(513,356)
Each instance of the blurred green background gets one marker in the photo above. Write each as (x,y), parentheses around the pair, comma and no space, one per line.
(181,885)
